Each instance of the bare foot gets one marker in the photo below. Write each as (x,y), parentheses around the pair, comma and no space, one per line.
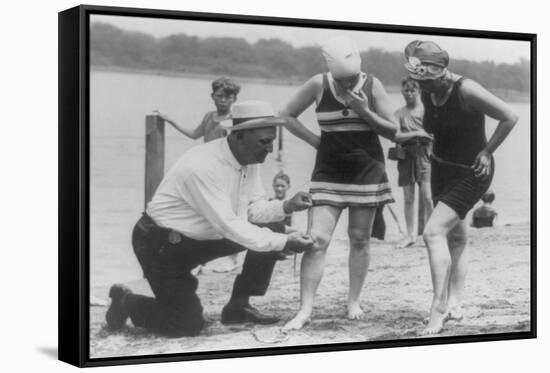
(298,322)
(435,323)
(455,313)
(355,312)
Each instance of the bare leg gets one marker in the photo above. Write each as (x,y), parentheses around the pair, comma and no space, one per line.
(425,204)
(408,193)
(359,230)
(457,239)
(420,215)
(443,219)
(395,218)
(323,220)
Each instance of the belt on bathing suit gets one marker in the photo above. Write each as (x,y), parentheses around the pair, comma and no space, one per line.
(449,163)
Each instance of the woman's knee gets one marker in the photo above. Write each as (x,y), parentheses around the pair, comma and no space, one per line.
(322,240)
(359,239)
(433,232)
(456,240)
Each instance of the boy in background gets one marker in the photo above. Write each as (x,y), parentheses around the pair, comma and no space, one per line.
(415,168)
(224,94)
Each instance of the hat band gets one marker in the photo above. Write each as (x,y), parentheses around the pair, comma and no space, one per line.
(237,121)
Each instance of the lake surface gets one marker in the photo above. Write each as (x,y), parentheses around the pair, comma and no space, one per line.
(119,103)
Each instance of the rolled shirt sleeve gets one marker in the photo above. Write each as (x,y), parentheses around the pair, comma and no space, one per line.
(209,199)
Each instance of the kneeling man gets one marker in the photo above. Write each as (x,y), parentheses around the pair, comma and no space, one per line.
(204,209)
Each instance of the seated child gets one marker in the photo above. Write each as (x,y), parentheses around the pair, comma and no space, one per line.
(485,215)
(281,184)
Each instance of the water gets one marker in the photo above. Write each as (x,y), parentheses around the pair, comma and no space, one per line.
(119,103)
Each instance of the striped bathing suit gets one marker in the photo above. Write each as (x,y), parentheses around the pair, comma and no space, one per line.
(349,166)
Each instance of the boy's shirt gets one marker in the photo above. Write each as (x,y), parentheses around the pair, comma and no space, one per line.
(410,120)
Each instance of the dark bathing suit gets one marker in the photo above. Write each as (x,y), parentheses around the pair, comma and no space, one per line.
(459,136)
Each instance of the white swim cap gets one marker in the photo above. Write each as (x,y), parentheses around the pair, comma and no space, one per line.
(342,56)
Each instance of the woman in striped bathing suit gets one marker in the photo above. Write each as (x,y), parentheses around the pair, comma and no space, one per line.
(352,109)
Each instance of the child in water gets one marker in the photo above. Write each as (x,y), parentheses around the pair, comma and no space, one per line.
(485,215)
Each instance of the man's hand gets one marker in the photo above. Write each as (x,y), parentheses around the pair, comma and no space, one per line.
(297,243)
(299,202)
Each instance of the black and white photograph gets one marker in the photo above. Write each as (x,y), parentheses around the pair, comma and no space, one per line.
(265,185)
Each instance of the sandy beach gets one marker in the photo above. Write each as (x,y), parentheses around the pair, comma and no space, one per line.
(396,298)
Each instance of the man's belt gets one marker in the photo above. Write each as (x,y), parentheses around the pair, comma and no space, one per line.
(148,225)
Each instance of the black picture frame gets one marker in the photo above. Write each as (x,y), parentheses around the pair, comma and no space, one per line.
(74,187)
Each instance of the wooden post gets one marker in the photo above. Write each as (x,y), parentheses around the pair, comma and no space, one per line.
(154,154)
(280,150)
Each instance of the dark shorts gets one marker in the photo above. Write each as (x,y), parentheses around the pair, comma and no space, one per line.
(457,187)
(416,167)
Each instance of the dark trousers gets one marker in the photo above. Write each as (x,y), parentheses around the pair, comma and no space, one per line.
(167,259)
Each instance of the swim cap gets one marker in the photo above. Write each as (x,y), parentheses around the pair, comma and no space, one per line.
(425,60)
(342,57)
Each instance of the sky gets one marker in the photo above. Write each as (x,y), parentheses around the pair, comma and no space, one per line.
(458,47)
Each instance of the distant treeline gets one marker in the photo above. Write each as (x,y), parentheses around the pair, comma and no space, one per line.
(269,59)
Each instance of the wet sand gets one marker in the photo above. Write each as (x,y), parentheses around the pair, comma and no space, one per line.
(396,298)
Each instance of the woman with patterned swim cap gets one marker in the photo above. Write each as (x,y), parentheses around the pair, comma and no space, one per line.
(462,167)
(352,109)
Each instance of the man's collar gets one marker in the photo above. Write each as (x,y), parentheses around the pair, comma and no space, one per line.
(229,156)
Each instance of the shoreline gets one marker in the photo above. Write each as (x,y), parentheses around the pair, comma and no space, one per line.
(193,75)
(506,95)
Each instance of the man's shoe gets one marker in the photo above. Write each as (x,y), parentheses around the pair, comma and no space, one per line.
(246,314)
(117,314)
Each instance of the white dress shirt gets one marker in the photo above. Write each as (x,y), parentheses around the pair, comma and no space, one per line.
(209,195)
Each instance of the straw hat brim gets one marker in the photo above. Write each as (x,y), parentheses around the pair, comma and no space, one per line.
(254,123)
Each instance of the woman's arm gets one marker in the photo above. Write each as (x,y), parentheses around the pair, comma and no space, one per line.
(478,98)
(297,105)
(383,120)
(404,136)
